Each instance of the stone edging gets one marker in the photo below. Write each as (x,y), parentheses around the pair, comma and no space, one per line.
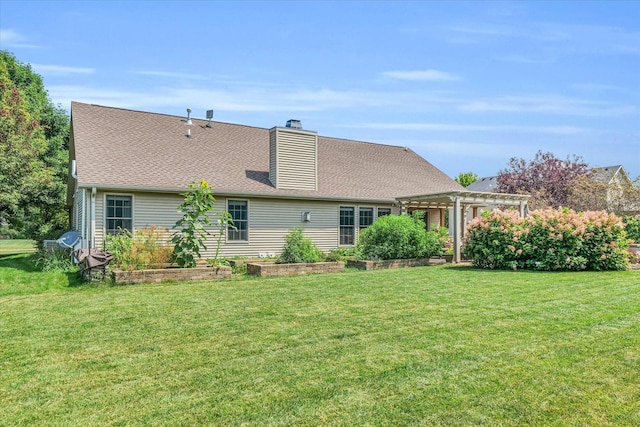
(394,263)
(177,274)
(269,269)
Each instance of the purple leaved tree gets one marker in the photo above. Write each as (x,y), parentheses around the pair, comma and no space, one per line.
(547,178)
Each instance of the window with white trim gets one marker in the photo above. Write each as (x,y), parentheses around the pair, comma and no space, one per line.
(347,225)
(384,212)
(119,215)
(239,210)
(366,217)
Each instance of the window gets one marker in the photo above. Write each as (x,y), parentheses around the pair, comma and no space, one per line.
(347,225)
(384,212)
(366,217)
(119,214)
(239,211)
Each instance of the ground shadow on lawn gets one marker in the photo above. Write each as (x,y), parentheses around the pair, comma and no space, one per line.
(19,261)
(26,263)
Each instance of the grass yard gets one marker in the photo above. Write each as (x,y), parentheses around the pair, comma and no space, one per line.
(16,246)
(421,346)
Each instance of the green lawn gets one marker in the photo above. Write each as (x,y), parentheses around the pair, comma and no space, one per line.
(16,246)
(421,346)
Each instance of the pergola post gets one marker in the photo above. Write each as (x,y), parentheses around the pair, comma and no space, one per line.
(457,229)
(523,205)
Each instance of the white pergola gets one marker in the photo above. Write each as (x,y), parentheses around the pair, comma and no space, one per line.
(459,202)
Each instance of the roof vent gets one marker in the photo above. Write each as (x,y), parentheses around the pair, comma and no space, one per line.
(209,117)
(189,116)
(294,124)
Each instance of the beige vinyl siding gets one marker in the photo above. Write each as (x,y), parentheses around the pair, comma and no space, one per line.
(77,213)
(160,210)
(269,221)
(295,156)
(273,159)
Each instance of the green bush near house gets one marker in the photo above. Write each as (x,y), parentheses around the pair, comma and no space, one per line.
(633,227)
(55,260)
(145,249)
(298,249)
(191,232)
(398,237)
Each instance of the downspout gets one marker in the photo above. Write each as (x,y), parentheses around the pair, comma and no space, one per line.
(92,240)
(84,218)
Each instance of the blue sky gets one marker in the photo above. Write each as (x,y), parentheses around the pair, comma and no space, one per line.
(467,85)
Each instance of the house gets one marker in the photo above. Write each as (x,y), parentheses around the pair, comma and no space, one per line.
(621,194)
(610,175)
(487,183)
(129,168)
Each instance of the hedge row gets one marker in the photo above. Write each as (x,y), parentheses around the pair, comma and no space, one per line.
(548,239)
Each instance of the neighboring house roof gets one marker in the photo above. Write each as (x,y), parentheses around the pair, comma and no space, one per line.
(487,184)
(607,174)
(118,148)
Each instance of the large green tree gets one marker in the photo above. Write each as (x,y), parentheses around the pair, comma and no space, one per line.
(34,137)
(466,178)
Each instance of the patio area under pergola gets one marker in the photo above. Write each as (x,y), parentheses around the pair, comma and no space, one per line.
(459,202)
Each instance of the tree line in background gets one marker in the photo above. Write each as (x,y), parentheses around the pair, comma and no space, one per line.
(555,183)
(34,155)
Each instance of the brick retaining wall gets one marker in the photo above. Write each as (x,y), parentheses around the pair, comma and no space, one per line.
(393,263)
(270,269)
(177,274)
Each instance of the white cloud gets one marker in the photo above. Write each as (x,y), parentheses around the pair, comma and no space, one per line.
(596,87)
(61,70)
(449,127)
(11,38)
(171,74)
(299,99)
(547,104)
(421,75)
(552,36)
(526,59)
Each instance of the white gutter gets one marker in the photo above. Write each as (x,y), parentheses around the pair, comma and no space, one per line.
(84,218)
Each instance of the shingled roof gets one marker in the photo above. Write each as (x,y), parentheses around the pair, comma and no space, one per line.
(116,148)
(607,173)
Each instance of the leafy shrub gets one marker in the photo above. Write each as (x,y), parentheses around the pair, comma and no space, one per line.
(494,240)
(239,269)
(135,252)
(398,237)
(191,233)
(633,228)
(56,259)
(548,239)
(119,245)
(445,240)
(298,248)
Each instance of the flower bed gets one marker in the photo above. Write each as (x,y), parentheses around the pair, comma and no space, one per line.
(177,274)
(394,263)
(263,269)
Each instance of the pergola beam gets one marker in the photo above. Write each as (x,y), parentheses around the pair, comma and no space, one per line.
(460,201)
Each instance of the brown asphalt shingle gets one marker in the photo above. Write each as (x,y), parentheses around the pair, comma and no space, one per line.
(134,150)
